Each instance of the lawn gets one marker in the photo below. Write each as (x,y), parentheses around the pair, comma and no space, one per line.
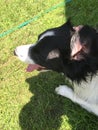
(28,100)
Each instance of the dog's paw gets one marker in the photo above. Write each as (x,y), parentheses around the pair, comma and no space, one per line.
(64,91)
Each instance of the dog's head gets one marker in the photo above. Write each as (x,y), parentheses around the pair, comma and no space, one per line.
(48,51)
(59,47)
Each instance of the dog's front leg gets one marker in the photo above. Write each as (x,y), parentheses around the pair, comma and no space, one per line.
(65,91)
(69,93)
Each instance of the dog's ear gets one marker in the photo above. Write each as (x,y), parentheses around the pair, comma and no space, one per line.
(96,28)
(69,21)
(69,24)
(53,54)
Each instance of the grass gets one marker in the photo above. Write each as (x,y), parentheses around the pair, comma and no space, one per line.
(28,100)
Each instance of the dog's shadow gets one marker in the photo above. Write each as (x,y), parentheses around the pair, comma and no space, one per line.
(46,110)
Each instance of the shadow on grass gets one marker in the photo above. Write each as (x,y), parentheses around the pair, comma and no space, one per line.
(83,12)
(45,108)
(47,111)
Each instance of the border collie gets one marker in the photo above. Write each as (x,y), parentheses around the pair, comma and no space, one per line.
(72,51)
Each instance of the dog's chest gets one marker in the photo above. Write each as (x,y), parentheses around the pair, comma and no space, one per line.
(88,90)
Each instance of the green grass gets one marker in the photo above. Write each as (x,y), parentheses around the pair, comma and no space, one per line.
(28,100)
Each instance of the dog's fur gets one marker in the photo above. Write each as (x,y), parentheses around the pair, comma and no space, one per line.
(72,51)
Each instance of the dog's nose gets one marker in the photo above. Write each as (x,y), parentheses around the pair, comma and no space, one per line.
(15,53)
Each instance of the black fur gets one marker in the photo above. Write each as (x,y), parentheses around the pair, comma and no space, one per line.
(76,70)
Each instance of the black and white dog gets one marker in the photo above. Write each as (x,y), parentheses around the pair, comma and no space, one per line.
(72,51)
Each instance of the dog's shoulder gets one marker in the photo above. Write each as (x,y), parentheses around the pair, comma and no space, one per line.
(88,90)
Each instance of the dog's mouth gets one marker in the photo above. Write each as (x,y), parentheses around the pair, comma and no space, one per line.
(32,67)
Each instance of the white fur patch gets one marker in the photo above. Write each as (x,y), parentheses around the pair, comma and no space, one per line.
(64,91)
(23,53)
(53,54)
(88,90)
(84,94)
(49,33)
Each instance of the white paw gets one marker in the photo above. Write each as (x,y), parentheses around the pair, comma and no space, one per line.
(64,91)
